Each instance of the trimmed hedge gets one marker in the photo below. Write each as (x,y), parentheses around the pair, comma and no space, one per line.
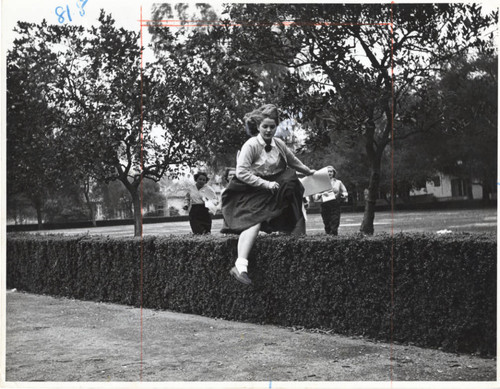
(436,291)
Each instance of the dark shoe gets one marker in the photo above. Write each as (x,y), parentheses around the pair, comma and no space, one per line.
(241,277)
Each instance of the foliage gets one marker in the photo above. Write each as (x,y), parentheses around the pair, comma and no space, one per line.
(457,110)
(116,202)
(33,164)
(327,65)
(19,209)
(160,117)
(66,204)
(343,57)
(226,87)
(468,99)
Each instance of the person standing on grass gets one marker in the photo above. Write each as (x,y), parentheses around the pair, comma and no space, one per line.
(330,203)
(195,202)
(266,194)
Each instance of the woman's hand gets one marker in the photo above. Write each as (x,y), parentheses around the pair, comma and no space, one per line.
(274,186)
(311,172)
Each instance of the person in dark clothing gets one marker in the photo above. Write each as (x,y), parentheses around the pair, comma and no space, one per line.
(330,203)
(194,202)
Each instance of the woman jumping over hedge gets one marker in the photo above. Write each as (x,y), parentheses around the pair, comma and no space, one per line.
(266,193)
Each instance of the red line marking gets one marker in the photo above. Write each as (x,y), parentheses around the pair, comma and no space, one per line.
(231,25)
(142,168)
(392,193)
(179,23)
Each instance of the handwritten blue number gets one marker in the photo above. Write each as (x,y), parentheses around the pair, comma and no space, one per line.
(80,5)
(60,13)
(60,18)
(69,15)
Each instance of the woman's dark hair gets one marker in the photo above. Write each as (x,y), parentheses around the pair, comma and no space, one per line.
(197,174)
(226,173)
(253,119)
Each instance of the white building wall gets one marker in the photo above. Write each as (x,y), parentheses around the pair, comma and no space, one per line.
(477,191)
(444,191)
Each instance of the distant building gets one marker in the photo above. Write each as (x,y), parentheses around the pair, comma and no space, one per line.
(445,187)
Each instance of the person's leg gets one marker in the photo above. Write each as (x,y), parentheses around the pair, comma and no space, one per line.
(245,243)
(207,222)
(195,224)
(325,215)
(330,217)
(246,240)
(335,217)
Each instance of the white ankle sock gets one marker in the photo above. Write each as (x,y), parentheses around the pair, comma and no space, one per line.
(241,264)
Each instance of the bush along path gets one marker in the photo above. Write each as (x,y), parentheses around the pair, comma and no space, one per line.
(436,291)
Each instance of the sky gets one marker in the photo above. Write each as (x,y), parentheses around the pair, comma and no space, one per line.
(126,13)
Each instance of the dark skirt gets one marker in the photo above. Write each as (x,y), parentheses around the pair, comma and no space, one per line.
(199,219)
(244,206)
(330,213)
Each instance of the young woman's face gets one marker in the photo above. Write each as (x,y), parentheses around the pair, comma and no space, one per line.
(331,173)
(267,129)
(201,181)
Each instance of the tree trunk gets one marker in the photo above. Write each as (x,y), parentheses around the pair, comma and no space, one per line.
(86,193)
(370,199)
(486,191)
(134,190)
(37,202)
(374,154)
(136,200)
(90,207)
(39,217)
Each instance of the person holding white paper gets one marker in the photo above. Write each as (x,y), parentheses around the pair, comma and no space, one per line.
(199,200)
(330,203)
(316,183)
(266,193)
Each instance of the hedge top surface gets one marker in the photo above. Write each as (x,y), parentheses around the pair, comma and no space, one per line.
(459,236)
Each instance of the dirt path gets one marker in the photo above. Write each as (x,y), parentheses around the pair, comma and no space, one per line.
(56,339)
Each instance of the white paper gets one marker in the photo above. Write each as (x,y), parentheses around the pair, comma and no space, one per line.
(212,206)
(211,200)
(316,183)
(328,196)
